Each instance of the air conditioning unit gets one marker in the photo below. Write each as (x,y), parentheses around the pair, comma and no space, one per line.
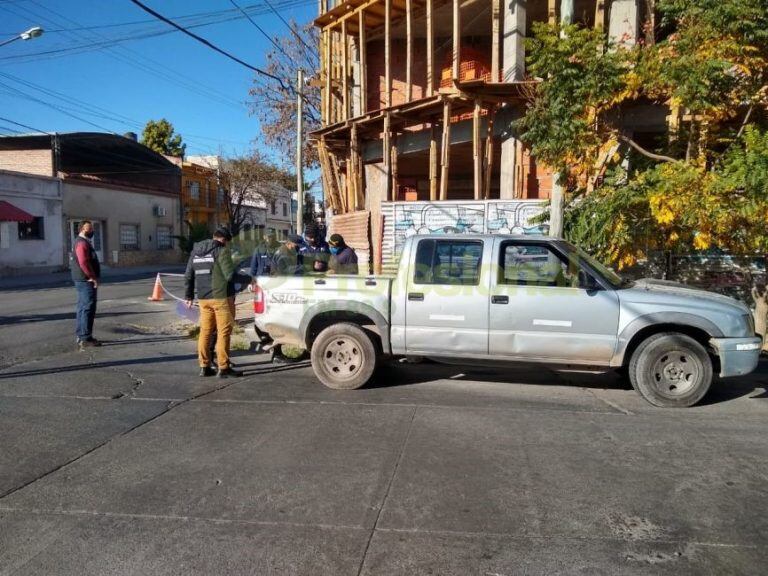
(160,211)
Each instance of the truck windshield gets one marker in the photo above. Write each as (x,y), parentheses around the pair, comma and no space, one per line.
(607,273)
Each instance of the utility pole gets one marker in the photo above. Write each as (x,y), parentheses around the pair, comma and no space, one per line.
(299,150)
(557,198)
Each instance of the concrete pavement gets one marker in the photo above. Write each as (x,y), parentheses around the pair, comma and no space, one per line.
(122,461)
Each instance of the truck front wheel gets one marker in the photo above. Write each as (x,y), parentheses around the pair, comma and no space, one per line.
(671,370)
(343,356)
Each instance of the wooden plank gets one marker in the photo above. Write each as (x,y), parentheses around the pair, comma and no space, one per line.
(327,64)
(477,155)
(387,53)
(552,11)
(432,163)
(363,55)
(495,41)
(445,158)
(359,168)
(456,40)
(408,49)
(344,71)
(430,48)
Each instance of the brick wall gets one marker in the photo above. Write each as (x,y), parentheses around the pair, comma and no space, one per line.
(38,162)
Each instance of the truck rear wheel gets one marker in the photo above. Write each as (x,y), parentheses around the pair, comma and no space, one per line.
(671,370)
(344,357)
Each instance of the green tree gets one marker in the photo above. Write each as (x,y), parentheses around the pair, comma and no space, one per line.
(703,182)
(159,135)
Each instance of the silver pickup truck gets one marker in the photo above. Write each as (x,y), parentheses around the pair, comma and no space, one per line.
(490,298)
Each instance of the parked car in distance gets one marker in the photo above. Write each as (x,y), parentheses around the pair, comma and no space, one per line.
(532,299)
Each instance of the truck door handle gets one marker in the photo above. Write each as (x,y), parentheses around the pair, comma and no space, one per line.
(416,296)
(319,281)
(499,299)
(370,282)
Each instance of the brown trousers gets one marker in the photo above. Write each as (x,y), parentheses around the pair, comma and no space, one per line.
(215,316)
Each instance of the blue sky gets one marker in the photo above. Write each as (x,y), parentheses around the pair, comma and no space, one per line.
(198,90)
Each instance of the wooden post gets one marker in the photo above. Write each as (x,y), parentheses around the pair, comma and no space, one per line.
(430,49)
(359,201)
(600,14)
(363,54)
(488,159)
(393,152)
(327,63)
(445,158)
(387,52)
(408,48)
(477,153)
(456,40)
(344,71)
(432,163)
(552,11)
(495,33)
(385,154)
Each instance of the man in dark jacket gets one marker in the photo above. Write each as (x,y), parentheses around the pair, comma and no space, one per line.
(343,257)
(211,274)
(86,272)
(264,255)
(314,251)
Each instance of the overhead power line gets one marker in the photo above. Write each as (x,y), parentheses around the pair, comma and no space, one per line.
(259,28)
(22,125)
(299,38)
(206,42)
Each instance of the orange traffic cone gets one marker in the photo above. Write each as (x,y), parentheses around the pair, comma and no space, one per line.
(157,293)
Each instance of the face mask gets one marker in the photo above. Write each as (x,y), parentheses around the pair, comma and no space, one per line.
(335,250)
(89,234)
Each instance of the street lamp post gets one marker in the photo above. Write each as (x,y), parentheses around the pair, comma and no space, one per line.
(34,32)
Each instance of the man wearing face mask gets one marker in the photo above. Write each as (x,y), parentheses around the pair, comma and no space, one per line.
(86,272)
(343,257)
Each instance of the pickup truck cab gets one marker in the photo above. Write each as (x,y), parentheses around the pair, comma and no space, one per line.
(532,299)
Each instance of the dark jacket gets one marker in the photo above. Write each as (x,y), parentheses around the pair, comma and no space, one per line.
(91,261)
(317,253)
(211,272)
(345,262)
(287,262)
(263,259)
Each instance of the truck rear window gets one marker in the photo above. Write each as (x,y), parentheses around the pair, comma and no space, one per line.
(448,262)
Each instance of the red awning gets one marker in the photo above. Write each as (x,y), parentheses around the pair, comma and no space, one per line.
(9,213)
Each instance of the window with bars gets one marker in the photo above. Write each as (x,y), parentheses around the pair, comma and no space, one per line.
(129,236)
(164,237)
(194,191)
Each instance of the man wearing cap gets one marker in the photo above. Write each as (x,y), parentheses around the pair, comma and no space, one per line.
(211,274)
(343,257)
(314,251)
(288,260)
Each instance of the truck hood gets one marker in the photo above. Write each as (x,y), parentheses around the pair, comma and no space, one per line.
(651,290)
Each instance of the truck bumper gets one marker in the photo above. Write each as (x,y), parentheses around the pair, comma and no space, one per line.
(738,356)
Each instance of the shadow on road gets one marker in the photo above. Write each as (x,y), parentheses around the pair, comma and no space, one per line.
(97,365)
(33,318)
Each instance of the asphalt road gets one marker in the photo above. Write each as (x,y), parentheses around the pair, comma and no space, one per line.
(122,461)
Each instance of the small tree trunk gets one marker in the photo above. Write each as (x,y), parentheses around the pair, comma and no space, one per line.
(760,295)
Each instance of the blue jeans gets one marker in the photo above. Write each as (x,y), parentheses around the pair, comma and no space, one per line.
(86,309)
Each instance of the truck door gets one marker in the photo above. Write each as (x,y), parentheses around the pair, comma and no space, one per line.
(447,297)
(542,308)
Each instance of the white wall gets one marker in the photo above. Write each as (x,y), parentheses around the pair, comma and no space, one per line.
(39,196)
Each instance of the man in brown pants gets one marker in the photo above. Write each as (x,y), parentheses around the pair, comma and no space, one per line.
(211,274)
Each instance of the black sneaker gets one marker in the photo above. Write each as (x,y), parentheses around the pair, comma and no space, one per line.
(93,342)
(207,371)
(229,373)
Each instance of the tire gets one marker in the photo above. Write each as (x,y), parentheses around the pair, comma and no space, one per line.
(671,370)
(344,357)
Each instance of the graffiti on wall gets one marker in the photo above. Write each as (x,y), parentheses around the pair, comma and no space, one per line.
(489,217)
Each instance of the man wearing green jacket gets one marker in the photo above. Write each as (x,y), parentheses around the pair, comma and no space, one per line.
(211,274)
